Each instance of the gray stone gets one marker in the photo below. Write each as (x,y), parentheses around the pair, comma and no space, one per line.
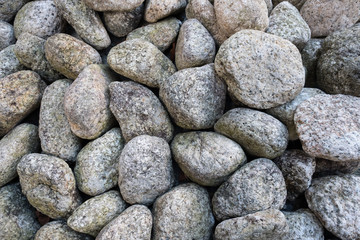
(310,55)
(297,3)
(145,169)
(139,111)
(69,55)
(159,9)
(141,61)
(261,70)
(49,185)
(327,167)
(58,230)
(8,62)
(183,213)
(335,200)
(113,5)
(8,9)
(329,127)
(96,163)
(7,36)
(269,5)
(258,185)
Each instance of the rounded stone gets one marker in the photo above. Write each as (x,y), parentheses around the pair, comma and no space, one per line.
(258,185)
(192,218)
(145,169)
(326,167)
(297,3)
(139,111)
(8,62)
(310,55)
(58,230)
(261,70)
(159,9)
(8,9)
(113,5)
(7,36)
(49,185)
(207,158)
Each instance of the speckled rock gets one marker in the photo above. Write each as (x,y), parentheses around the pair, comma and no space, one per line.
(141,61)
(297,3)
(338,65)
(329,127)
(54,129)
(40,18)
(285,113)
(30,51)
(310,55)
(325,17)
(8,9)
(268,224)
(195,46)
(85,21)
(58,230)
(113,5)
(194,97)
(69,55)
(20,94)
(335,200)
(134,223)
(207,158)
(162,34)
(17,217)
(8,62)
(96,163)
(145,169)
(261,70)
(121,23)
(258,185)
(159,9)
(192,218)
(139,111)
(49,185)
(326,167)
(91,216)
(7,36)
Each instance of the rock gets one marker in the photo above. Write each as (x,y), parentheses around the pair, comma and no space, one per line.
(91,216)
(192,218)
(145,169)
(85,21)
(258,185)
(20,94)
(8,62)
(261,70)
(326,167)
(96,163)
(207,158)
(8,9)
(159,9)
(139,111)
(58,230)
(258,133)
(7,36)
(17,217)
(49,185)
(268,224)
(338,65)
(133,223)
(69,55)
(329,127)
(285,113)
(297,3)
(325,17)
(113,5)
(335,201)
(195,46)
(269,5)
(310,55)
(141,61)
(162,34)
(40,18)
(54,129)
(30,51)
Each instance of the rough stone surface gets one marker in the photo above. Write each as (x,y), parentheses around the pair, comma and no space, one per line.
(134,223)
(207,158)
(261,70)
(96,163)
(268,224)
(7,36)
(54,129)
(335,200)
(258,133)
(58,230)
(327,167)
(113,5)
(195,46)
(139,111)
(310,55)
(8,9)
(183,213)
(258,185)
(297,3)
(269,5)
(69,55)
(141,61)
(145,169)
(20,94)
(8,62)
(329,127)
(159,9)
(49,185)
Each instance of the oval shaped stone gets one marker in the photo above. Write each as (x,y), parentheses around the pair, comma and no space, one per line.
(7,36)
(8,9)
(8,62)
(159,9)
(113,5)
(57,230)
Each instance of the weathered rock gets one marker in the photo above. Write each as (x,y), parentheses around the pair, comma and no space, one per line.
(8,9)
(139,111)
(113,5)
(69,55)
(159,9)
(310,55)
(7,36)
(49,185)
(8,62)
(261,70)
(145,169)
(58,230)
(192,218)
(327,167)
(297,3)
(258,185)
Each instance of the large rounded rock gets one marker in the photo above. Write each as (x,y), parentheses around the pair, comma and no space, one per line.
(8,62)
(59,230)
(113,5)
(7,36)
(8,9)
(159,9)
